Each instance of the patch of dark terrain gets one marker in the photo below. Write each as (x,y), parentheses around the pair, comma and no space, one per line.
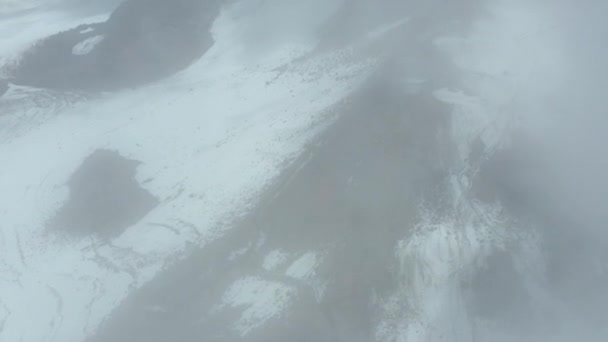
(4,87)
(350,197)
(50,63)
(105,199)
(528,184)
(497,292)
(512,176)
(142,41)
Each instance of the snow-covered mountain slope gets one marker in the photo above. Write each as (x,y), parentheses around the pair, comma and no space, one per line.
(208,141)
(326,171)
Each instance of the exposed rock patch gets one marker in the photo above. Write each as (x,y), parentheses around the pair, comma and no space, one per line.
(142,41)
(497,292)
(105,199)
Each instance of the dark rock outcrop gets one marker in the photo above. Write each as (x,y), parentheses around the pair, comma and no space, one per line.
(104,198)
(142,41)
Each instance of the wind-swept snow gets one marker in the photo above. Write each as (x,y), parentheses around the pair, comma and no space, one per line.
(86,46)
(400,220)
(275,259)
(500,85)
(209,139)
(304,267)
(261,300)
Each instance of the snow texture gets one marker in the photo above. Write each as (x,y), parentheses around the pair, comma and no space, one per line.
(209,139)
(87,46)
(261,300)
(443,251)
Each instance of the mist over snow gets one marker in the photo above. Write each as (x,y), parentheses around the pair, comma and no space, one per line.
(282,170)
